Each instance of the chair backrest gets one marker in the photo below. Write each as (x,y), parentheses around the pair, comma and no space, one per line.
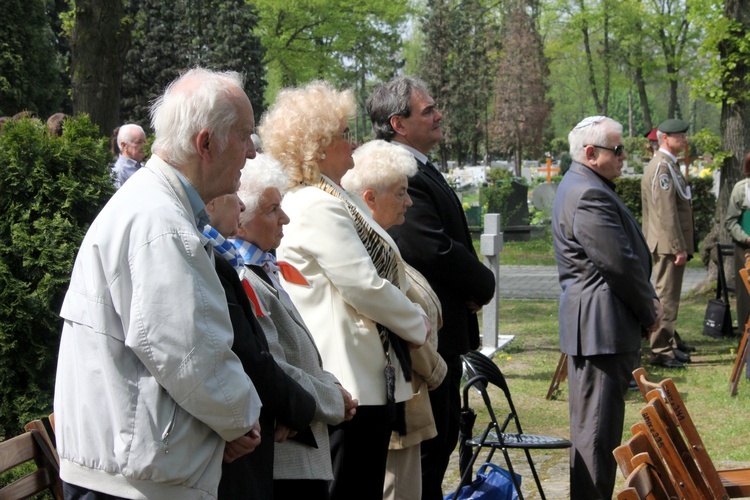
(46,428)
(643,484)
(673,450)
(643,444)
(681,419)
(479,365)
(644,384)
(24,448)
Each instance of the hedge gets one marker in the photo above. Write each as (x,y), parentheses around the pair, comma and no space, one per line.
(51,188)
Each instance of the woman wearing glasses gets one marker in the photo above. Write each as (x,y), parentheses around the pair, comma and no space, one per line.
(355,306)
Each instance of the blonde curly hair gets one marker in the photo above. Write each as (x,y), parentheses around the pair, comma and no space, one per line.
(301,124)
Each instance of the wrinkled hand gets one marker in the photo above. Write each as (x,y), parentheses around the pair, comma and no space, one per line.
(680,259)
(243,445)
(282,432)
(659,315)
(350,405)
(473,306)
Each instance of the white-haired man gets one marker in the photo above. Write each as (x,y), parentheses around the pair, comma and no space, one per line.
(130,139)
(607,300)
(149,396)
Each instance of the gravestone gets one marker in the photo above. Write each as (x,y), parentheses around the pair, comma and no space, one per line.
(517,226)
(543,196)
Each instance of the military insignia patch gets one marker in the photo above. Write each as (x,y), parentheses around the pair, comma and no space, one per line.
(664,181)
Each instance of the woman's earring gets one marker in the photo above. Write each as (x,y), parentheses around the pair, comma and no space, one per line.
(322,156)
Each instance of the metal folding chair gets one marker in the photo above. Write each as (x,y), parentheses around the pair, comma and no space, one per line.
(499,434)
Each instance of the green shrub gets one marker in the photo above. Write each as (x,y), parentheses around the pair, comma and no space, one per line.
(704,202)
(51,188)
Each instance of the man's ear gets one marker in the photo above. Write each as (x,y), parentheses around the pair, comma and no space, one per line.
(203,143)
(590,152)
(397,123)
(369,197)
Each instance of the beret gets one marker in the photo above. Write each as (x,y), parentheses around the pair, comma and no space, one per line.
(673,126)
(651,135)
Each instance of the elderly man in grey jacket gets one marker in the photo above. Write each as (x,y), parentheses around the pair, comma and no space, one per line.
(607,300)
(149,397)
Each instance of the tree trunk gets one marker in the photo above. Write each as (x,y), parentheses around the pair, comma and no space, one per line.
(735,114)
(98,46)
(643,97)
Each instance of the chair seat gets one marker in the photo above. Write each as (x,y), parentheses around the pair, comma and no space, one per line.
(530,441)
(736,482)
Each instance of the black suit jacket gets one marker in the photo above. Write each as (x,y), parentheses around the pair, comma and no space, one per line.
(283,398)
(435,239)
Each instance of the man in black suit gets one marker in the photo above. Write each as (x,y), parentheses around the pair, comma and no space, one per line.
(607,300)
(435,239)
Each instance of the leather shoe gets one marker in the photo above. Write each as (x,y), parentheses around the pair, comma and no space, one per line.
(687,349)
(669,363)
(681,356)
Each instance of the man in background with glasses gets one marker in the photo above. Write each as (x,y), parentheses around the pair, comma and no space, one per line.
(607,301)
(668,226)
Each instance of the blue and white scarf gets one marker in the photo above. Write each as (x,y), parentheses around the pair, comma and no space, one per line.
(225,247)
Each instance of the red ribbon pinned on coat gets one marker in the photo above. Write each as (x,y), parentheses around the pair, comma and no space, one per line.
(260,312)
(291,274)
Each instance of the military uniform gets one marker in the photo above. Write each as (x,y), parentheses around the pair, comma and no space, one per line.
(668,227)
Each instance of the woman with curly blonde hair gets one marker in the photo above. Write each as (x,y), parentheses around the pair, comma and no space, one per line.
(355,306)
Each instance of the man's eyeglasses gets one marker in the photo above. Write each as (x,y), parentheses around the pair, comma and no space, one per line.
(617,150)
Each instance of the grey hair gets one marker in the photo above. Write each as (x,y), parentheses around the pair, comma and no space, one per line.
(592,130)
(259,174)
(392,99)
(126,133)
(378,165)
(200,99)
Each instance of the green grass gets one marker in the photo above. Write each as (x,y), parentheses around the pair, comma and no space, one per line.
(540,252)
(529,362)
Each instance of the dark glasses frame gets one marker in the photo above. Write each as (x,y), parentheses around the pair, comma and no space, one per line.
(617,150)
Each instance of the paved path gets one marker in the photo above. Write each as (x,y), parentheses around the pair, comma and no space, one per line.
(541,282)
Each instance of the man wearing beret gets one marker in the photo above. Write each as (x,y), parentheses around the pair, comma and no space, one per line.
(668,227)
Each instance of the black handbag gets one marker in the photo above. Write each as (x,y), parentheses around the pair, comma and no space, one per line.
(717,322)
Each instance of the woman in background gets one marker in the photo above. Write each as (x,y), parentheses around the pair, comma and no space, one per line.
(356,308)
(380,177)
(302,465)
(737,223)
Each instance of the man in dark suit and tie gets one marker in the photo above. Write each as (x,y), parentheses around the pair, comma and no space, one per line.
(607,300)
(435,239)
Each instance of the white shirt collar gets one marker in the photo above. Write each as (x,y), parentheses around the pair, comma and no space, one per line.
(674,158)
(417,154)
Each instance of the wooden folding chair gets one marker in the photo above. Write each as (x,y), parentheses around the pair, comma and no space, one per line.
(644,384)
(46,428)
(643,484)
(642,445)
(741,358)
(561,373)
(722,483)
(24,448)
(673,451)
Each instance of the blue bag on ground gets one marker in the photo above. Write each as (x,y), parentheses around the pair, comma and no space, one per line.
(492,484)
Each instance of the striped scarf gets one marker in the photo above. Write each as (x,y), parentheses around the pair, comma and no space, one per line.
(223,246)
(386,265)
